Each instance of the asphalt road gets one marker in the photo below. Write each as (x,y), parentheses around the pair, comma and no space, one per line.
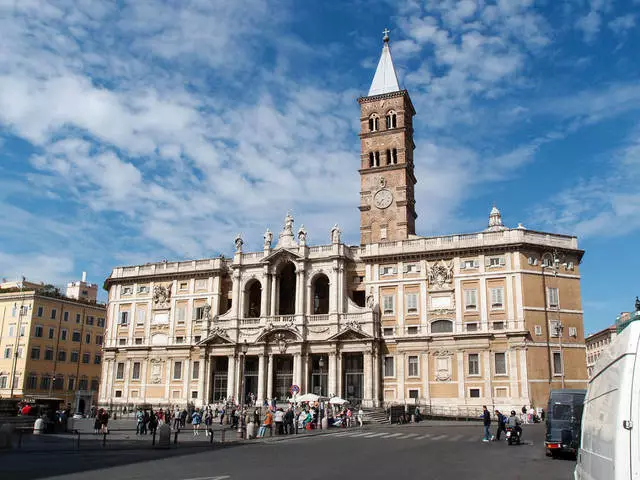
(422,451)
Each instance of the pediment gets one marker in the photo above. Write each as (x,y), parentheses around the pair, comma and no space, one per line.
(281,255)
(217,337)
(278,334)
(350,333)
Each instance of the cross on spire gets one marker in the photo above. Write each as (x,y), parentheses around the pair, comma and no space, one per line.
(386,35)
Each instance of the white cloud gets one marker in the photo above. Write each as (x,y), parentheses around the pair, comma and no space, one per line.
(623,23)
(589,24)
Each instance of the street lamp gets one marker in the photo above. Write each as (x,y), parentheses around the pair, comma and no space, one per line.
(559,330)
(244,348)
(545,299)
(321,366)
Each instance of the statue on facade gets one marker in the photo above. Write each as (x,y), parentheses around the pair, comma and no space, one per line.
(637,304)
(207,312)
(440,274)
(161,295)
(302,236)
(288,224)
(335,234)
(268,237)
(239,242)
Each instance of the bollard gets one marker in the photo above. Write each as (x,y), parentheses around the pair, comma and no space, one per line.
(38,426)
(164,436)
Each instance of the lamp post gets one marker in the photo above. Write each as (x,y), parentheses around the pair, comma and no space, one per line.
(545,300)
(559,330)
(244,348)
(321,366)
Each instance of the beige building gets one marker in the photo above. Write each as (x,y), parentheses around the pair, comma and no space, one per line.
(451,322)
(596,344)
(50,345)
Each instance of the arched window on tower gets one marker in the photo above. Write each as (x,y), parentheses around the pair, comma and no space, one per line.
(377,156)
(394,156)
(371,160)
(373,123)
(391,119)
(388,157)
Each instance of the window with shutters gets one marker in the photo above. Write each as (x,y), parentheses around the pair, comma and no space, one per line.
(473,364)
(412,302)
(141,316)
(500,363)
(195,371)
(7,352)
(389,370)
(388,304)
(35,353)
(120,371)
(557,363)
(468,264)
(413,365)
(553,297)
(38,331)
(388,270)
(75,356)
(471,299)
(52,333)
(497,298)
(181,313)
(75,336)
(127,290)
(63,334)
(412,268)
(86,357)
(48,354)
(177,370)
(494,262)
(135,371)
(124,319)
(62,356)
(199,313)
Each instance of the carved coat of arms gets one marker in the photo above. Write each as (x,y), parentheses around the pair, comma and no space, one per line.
(161,296)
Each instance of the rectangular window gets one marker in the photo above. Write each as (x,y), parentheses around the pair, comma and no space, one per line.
(45,381)
(573,332)
(471,299)
(66,316)
(53,313)
(412,330)
(387,331)
(388,304)
(134,393)
(101,322)
(181,313)
(90,319)
(141,316)
(122,341)
(12,330)
(3,381)
(124,319)
(137,341)
(32,382)
(52,332)
(135,372)
(199,314)
(197,338)
(120,371)
(537,330)
(127,290)
(72,383)
(468,264)
(388,270)
(118,393)
(48,354)
(82,384)
(74,357)
(412,303)
(35,353)
(474,392)
(183,285)
(38,331)
(474,364)
(86,357)
(552,298)
(87,338)
(414,393)
(195,371)
(389,370)
(177,370)
(97,359)
(179,339)
(413,365)
(498,325)
(471,327)
(22,330)
(497,298)
(63,334)
(76,336)
(19,352)
(500,360)
(194,394)
(502,392)
(555,328)
(62,356)
(99,339)
(77,318)
(495,262)
(412,268)
(143,289)
(557,363)
(7,352)
(201,284)
(40,311)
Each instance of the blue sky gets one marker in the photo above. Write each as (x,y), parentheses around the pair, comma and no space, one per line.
(132,131)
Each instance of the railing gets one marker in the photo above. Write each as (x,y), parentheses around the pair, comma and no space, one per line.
(161,268)
(250,321)
(318,318)
(247,257)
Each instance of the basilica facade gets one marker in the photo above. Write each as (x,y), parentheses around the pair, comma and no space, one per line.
(453,322)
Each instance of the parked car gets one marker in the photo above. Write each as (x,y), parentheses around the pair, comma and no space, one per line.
(610,446)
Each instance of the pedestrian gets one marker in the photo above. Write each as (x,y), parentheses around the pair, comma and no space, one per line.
(360,416)
(221,415)
(288,421)
(501,425)
(177,422)
(153,422)
(104,422)
(195,421)
(160,416)
(279,419)
(139,421)
(208,421)
(145,423)
(486,421)
(96,423)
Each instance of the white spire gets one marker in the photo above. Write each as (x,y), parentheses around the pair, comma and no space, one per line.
(495,221)
(385,80)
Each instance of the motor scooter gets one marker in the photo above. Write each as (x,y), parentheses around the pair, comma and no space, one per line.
(514,435)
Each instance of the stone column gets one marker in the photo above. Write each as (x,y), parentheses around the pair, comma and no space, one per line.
(514,391)
(308,300)
(264,296)
(482,304)
(186,380)
(300,292)
(143,378)
(274,289)
(461,382)
(169,379)
(201,380)
(208,384)
(270,377)
(127,378)
(333,290)
(368,377)
(231,377)
(215,302)
(488,393)
(402,360)
(235,302)
(339,374)
(332,378)
(304,372)
(296,369)
(261,380)
(376,378)
(426,377)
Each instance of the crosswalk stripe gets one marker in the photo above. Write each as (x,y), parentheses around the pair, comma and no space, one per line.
(423,437)
(408,436)
(439,437)
(456,438)
(375,435)
(359,435)
(392,435)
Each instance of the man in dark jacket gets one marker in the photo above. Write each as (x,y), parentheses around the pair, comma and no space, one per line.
(486,420)
(501,425)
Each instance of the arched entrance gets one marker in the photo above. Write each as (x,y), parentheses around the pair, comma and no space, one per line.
(287,290)
(253,300)
(320,295)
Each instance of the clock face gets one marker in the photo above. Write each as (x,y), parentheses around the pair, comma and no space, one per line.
(383,198)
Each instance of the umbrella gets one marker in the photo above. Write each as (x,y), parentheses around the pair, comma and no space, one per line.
(338,401)
(308,397)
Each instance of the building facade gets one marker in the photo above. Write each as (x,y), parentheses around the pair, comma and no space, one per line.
(50,345)
(596,344)
(453,322)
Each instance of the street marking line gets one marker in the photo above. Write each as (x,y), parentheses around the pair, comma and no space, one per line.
(392,435)
(219,477)
(439,437)
(407,436)
(372,435)
(359,435)
(423,437)
(456,438)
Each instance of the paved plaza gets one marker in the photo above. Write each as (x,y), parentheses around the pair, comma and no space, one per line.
(427,450)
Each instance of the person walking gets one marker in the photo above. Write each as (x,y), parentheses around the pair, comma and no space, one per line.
(279,419)
(196,419)
(486,421)
(208,421)
(501,425)
(139,421)
(360,416)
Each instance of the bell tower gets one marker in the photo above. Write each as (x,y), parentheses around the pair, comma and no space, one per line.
(387,203)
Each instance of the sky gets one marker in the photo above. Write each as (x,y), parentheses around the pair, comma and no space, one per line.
(137,130)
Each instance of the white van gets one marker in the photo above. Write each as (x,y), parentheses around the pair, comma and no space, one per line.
(610,447)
